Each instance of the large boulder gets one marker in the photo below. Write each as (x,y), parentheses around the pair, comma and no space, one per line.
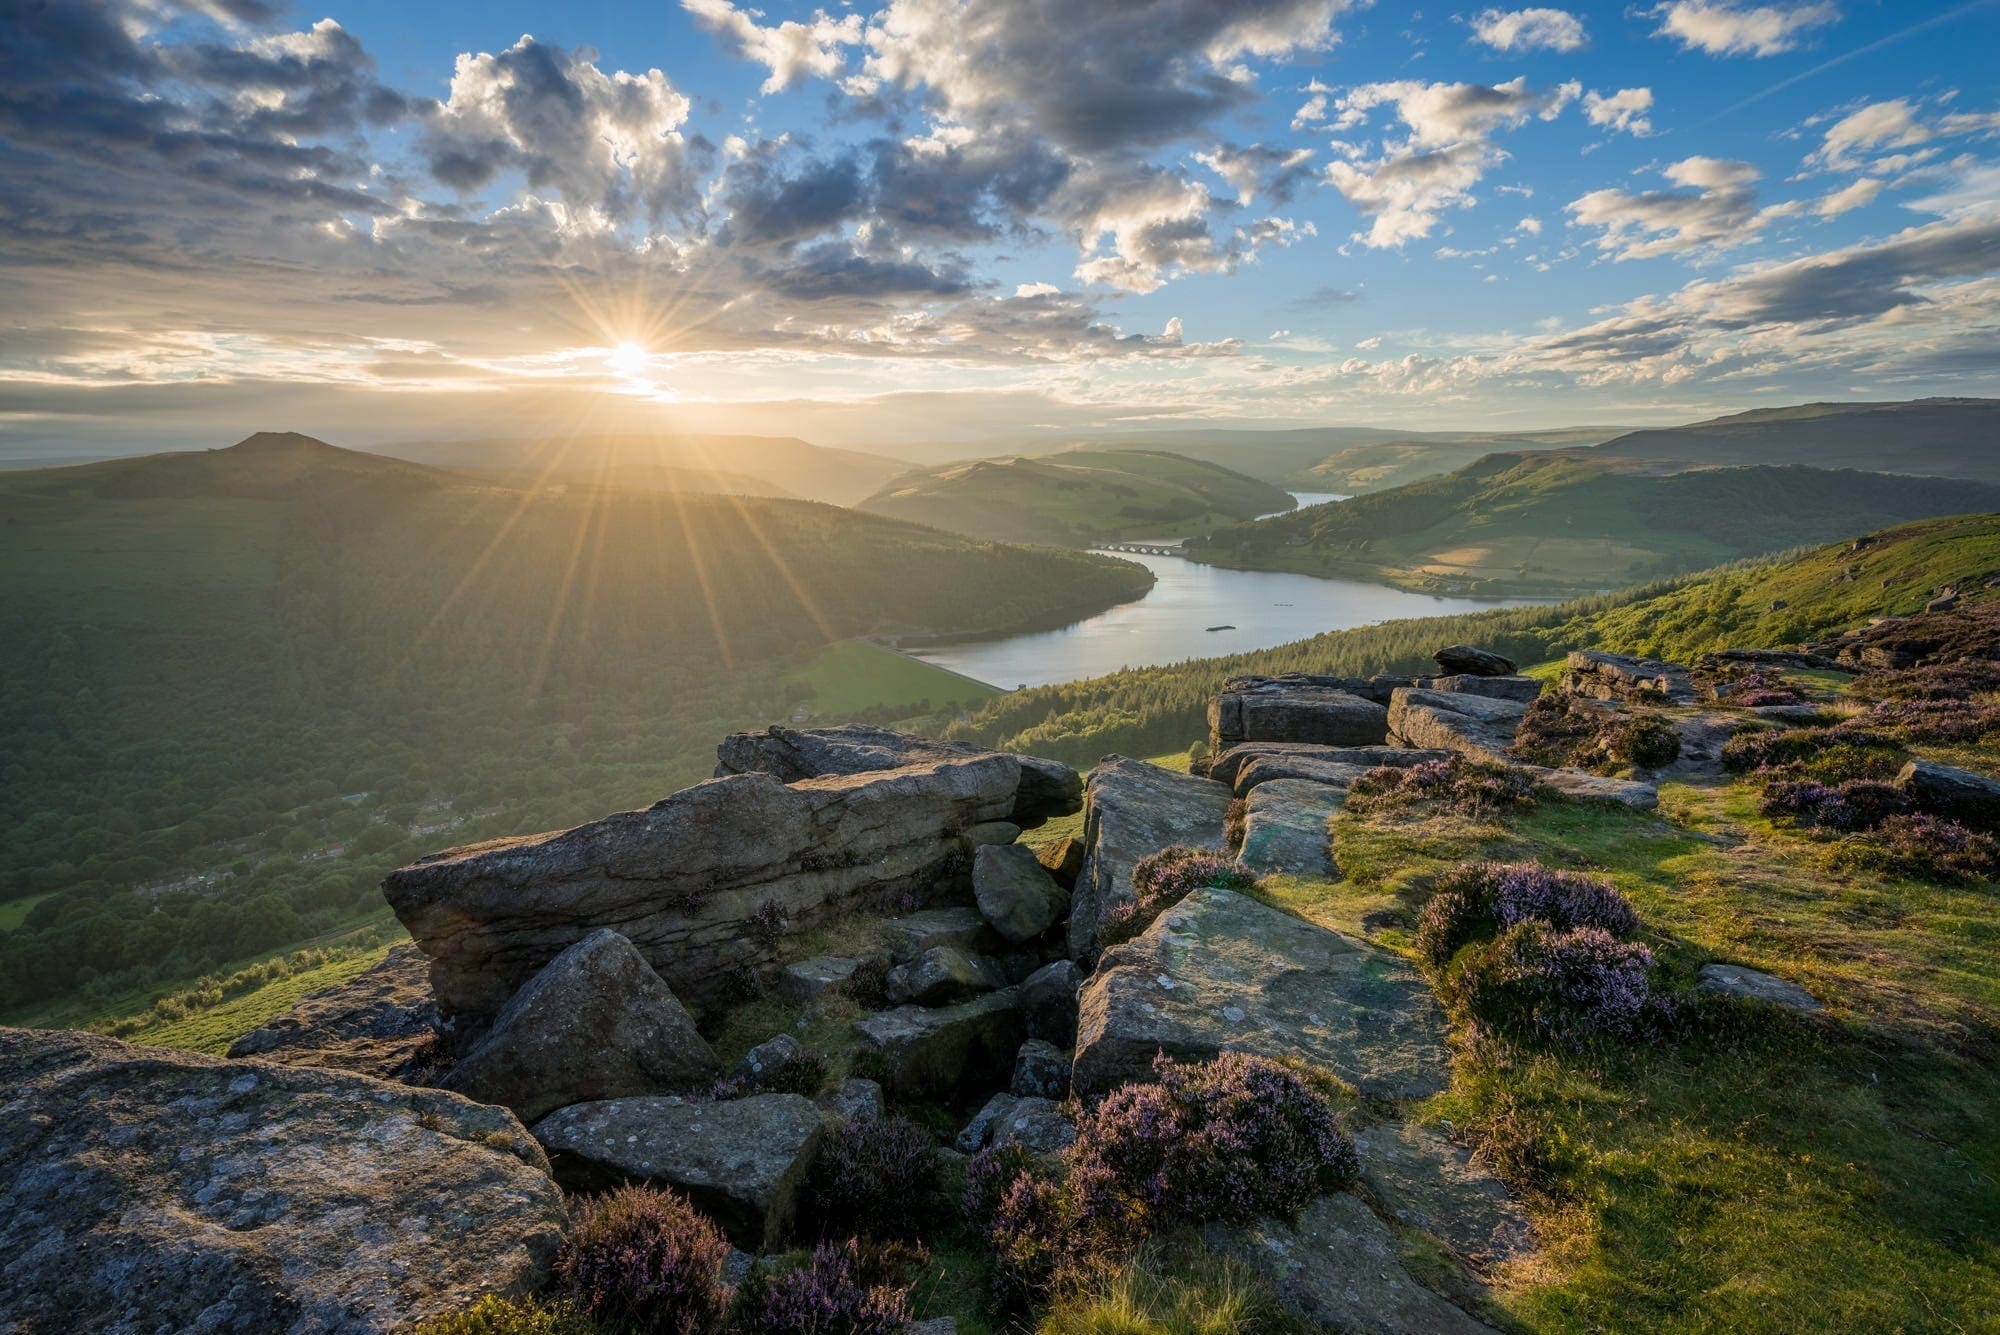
(960,926)
(1292,709)
(1465,660)
(1525,689)
(921,1053)
(1220,972)
(1037,1125)
(143,1189)
(1477,726)
(382,1023)
(942,975)
(1286,827)
(808,979)
(1044,788)
(1304,760)
(1016,893)
(1602,676)
(1041,1070)
(694,880)
(1954,793)
(1132,809)
(1048,1002)
(1340,1268)
(596,1023)
(741,1160)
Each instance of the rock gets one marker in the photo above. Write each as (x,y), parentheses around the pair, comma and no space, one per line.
(1132,809)
(1340,1269)
(1043,789)
(687,879)
(853,1100)
(742,1161)
(1285,828)
(1035,1124)
(1221,972)
(1785,658)
(975,1134)
(1016,893)
(1262,769)
(381,1024)
(933,1054)
(990,832)
(1310,760)
(1580,786)
(1525,689)
(1424,1181)
(806,980)
(1478,726)
(765,1065)
(1048,1002)
(1463,659)
(1602,676)
(944,975)
(929,929)
(1062,859)
(143,1189)
(1747,984)
(1041,1070)
(937,1325)
(1292,709)
(1944,601)
(597,1023)
(1956,794)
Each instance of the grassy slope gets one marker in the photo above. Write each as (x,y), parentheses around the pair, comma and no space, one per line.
(1559,524)
(1938,437)
(1079,497)
(1360,469)
(1823,590)
(854,676)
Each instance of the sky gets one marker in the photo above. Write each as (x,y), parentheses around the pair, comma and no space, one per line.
(937,220)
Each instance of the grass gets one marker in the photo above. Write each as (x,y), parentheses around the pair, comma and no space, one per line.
(214,1029)
(856,677)
(15,911)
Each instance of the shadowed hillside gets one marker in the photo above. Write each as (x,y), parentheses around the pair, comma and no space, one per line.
(1934,437)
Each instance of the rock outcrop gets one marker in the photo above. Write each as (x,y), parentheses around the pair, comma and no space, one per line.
(1464,659)
(143,1189)
(741,1160)
(1016,893)
(1742,983)
(943,974)
(1048,1002)
(596,1023)
(1292,709)
(1524,689)
(1132,809)
(690,879)
(1956,794)
(1045,788)
(1221,972)
(381,1024)
(1478,726)
(1422,1180)
(1286,827)
(1306,760)
(926,1053)
(962,927)
(1602,676)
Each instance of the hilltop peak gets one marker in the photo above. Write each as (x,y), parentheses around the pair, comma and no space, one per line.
(272,442)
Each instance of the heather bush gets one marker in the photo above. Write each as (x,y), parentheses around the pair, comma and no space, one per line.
(876,1176)
(1163,879)
(1937,720)
(1857,804)
(1565,986)
(1563,732)
(1235,822)
(494,1315)
(1037,1234)
(868,985)
(1860,749)
(642,1259)
(1474,788)
(837,1292)
(767,922)
(1479,899)
(1927,847)
(988,1175)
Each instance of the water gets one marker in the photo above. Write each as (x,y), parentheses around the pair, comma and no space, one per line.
(1258,608)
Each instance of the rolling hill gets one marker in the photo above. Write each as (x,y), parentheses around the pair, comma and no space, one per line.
(1360,469)
(1555,524)
(1079,497)
(772,465)
(237,685)
(1928,437)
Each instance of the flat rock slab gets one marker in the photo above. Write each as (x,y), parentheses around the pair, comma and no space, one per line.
(1524,689)
(942,975)
(1285,828)
(740,1160)
(1602,676)
(1292,709)
(961,926)
(143,1190)
(1264,769)
(808,979)
(1703,735)
(1339,1268)
(1582,786)
(1133,809)
(1957,794)
(1423,1180)
(1228,767)
(1220,972)
(379,1024)
(928,1053)
(1478,726)
(1045,788)
(1747,984)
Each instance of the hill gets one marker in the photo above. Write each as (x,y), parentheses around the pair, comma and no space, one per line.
(1556,524)
(1360,469)
(1774,601)
(1077,498)
(237,685)
(777,465)
(1930,437)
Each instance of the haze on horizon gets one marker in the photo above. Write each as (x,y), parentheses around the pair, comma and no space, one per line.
(914,220)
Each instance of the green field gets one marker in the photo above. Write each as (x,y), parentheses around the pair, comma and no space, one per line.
(15,911)
(856,677)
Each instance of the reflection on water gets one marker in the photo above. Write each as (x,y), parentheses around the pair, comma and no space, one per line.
(1253,609)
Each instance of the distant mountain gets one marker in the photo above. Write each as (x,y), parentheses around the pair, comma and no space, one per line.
(1079,497)
(790,466)
(1360,469)
(1928,437)
(269,465)
(1554,523)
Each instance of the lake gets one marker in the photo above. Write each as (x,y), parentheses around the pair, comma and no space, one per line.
(1257,609)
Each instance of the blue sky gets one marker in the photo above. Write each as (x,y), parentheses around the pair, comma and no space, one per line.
(916,219)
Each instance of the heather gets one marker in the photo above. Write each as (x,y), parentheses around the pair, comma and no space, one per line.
(1564,732)
(876,1176)
(839,1290)
(1480,899)
(1457,784)
(1163,879)
(1925,846)
(641,1258)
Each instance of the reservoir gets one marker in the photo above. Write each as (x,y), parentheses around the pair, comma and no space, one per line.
(1253,609)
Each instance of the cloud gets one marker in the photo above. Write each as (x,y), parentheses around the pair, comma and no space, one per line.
(1628,110)
(1529,226)
(1529,30)
(1859,195)
(1257,169)
(1729,28)
(1716,208)
(790,50)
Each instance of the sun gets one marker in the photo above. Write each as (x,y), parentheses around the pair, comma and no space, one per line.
(627,358)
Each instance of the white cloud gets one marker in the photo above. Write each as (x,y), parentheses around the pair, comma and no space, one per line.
(1729,28)
(790,50)
(1530,226)
(1859,195)
(1529,30)
(1627,110)
(1716,208)
(1849,140)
